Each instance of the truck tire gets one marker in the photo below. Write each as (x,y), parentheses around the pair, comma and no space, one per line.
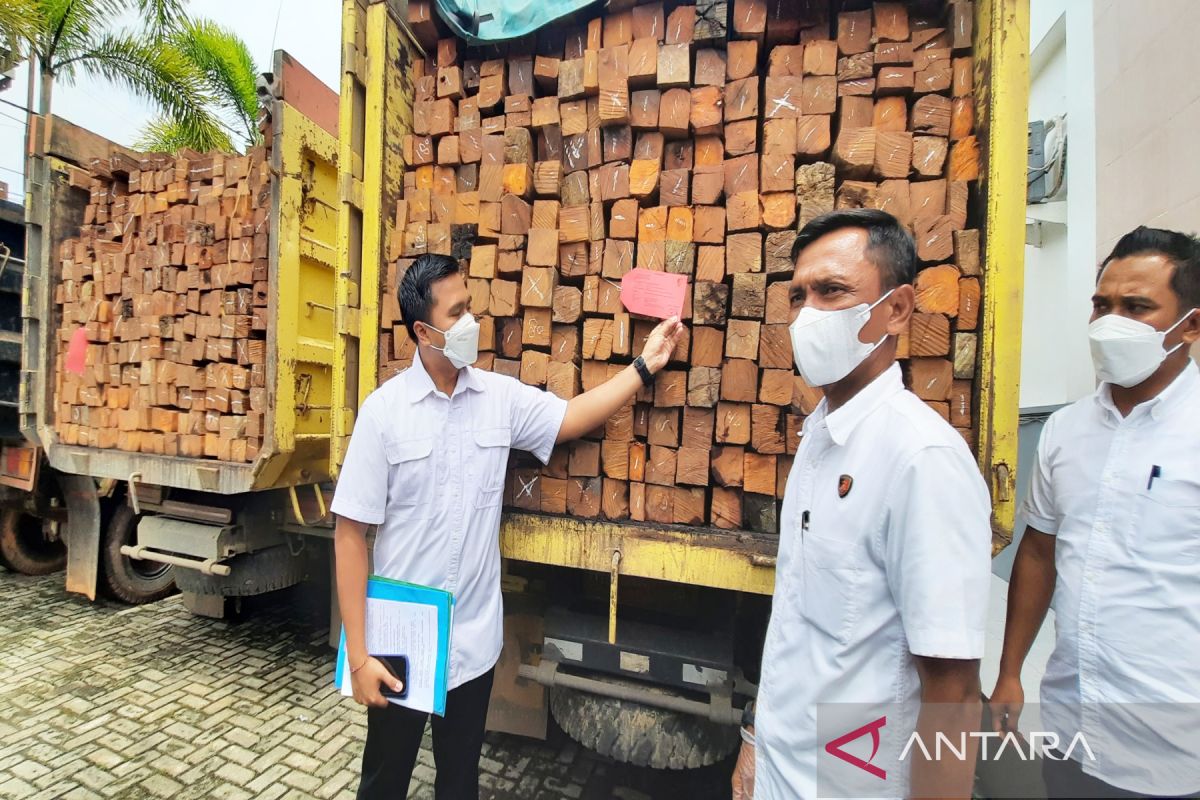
(23,547)
(133,581)
(249,574)
(639,734)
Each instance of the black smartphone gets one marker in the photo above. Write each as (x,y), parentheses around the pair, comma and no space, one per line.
(398,666)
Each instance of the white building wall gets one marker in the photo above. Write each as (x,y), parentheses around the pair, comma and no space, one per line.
(1147,116)
(1059,270)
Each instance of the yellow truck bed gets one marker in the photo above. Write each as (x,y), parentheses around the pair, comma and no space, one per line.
(300,352)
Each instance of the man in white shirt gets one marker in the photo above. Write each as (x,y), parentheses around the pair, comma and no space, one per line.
(426,464)
(881,584)
(1113,538)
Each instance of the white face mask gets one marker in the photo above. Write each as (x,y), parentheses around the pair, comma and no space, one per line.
(462,341)
(825,344)
(1125,351)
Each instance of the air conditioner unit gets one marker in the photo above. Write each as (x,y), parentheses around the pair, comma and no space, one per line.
(1046,178)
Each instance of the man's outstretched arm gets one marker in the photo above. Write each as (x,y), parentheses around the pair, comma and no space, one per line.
(591,409)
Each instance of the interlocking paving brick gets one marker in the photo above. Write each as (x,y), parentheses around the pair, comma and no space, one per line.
(29,770)
(15,787)
(334,785)
(169,765)
(235,774)
(161,786)
(99,700)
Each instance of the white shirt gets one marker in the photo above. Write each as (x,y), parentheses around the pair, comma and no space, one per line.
(429,471)
(1127,600)
(897,567)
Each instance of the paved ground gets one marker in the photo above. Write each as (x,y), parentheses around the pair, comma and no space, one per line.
(103,700)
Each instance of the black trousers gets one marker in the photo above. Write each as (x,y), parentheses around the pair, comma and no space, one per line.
(394,738)
(1066,779)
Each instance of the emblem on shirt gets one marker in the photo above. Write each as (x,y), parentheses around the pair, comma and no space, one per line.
(845,484)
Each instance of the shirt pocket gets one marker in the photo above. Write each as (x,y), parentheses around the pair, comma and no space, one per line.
(830,592)
(491,464)
(1168,523)
(410,477)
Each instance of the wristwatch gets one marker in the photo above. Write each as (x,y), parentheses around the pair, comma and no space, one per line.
(643,371)
(748,714)
(747,723)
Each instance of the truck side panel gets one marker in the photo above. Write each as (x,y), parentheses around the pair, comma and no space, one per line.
(376,113)
(1002,73)
(303,231)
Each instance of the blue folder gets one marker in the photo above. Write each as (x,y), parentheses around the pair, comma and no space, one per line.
(398,591)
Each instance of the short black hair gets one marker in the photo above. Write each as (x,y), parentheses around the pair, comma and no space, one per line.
(1180,249)
(416,287)
(890,247)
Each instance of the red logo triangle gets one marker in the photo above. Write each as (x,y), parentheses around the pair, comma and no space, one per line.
(834,748)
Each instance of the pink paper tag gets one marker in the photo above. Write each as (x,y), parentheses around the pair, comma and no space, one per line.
(77,351)
(653,294)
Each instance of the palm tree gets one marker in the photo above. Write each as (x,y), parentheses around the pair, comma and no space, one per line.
(63,38)
(229,76)
(18,24)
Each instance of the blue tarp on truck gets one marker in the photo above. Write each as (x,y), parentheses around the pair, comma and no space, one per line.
(486,21)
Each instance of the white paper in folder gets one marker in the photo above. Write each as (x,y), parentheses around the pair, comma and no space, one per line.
(410,621)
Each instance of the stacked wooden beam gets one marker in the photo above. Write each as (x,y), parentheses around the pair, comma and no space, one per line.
(693,139)
(168,280)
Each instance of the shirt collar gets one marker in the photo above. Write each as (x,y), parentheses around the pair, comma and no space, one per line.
(844,420)
(420,385)
(1178,393)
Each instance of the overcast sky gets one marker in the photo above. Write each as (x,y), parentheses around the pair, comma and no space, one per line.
(308,29)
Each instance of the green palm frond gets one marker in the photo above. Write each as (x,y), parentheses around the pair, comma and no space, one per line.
(228,68)
(199,74)
(72,26)
(161,16)
(159,74)
(168,136)
(68,26)
(20,25)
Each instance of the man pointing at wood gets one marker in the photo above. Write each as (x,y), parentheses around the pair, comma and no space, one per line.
(426,464)
(885,542)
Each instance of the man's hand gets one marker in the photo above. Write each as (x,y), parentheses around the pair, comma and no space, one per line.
(1006,703)
(588,410)
(743,773)
(366,680)
(661,343)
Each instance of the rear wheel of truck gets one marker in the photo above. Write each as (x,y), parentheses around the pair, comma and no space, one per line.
(131,580)
(642,735)
(24,547)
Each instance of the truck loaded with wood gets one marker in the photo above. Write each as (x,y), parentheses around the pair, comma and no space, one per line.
(201,329)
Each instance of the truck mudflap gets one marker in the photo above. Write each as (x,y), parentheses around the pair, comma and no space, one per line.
(82,497)
(518,706)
